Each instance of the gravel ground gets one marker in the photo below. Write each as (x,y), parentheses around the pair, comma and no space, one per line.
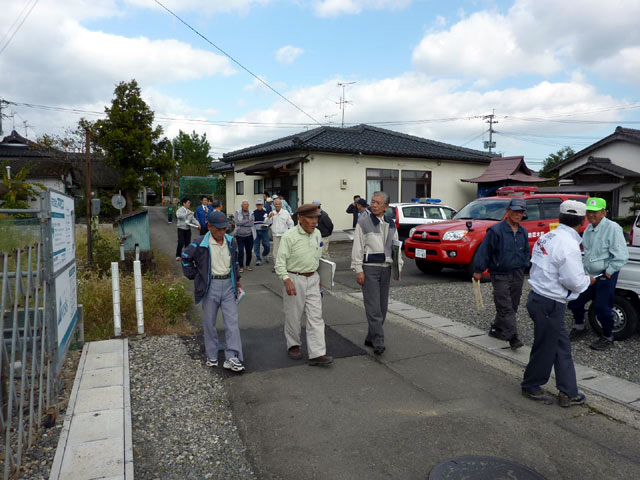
(182,422)
(457,301)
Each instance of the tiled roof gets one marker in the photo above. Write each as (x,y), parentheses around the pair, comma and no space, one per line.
(362,139)
(507,168)
(20,152)
(605,165)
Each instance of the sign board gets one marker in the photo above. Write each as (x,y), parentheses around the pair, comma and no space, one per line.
(62,230)
(66,306)
(118,201)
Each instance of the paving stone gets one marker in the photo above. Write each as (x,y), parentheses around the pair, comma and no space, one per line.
(93,426)
(435,321)
(461,330)
(103,377)
(615,388)
(96,399)
(413,314)
(104,360)
(81,462)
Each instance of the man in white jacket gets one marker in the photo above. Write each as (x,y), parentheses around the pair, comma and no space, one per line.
(557,276)
(280,221)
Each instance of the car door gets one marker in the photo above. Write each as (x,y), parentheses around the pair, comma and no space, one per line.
(534,223)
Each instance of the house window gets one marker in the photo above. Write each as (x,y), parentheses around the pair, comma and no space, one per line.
(258,186)
(415,184)
(240,188)
(381,179)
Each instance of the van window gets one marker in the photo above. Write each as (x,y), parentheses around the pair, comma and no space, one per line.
(551,207)
(433,213)
(533,210)
(412,212)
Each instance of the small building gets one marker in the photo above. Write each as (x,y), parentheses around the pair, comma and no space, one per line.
(332,164)
(608,168)
(503,172)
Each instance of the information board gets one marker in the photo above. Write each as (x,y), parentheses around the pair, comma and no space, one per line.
(66,304)
(62,230)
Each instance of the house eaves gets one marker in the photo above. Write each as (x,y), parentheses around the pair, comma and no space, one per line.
(603,165)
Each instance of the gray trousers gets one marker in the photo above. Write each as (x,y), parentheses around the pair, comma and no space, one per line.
(221,296)
(507,290)
(375,293)
(551,347)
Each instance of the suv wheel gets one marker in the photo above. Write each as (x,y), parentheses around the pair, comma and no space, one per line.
(625,318)
(425,266)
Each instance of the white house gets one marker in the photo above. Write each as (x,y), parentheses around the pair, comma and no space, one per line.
(332,164)
(609,169)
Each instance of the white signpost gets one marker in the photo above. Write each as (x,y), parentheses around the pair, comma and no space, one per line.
(66,304)
(62,230)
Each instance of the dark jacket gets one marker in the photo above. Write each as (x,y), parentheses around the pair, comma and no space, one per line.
(325,225)
(196,264)
(353,210)
(502,250)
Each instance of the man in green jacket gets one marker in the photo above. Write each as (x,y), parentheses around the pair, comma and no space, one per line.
(605,252)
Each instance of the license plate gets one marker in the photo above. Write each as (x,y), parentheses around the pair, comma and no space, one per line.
(421,253)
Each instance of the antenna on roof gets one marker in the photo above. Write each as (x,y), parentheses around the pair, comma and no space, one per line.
(343,100)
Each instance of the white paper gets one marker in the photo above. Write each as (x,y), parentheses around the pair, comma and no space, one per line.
(326,270)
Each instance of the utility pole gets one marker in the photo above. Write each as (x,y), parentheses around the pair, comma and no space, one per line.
(490,144)
(343,100)
(2,102)
(88,196)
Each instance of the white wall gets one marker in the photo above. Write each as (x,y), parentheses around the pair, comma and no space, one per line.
(623,154)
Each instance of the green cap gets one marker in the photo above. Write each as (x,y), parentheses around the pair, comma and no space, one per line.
(595,203)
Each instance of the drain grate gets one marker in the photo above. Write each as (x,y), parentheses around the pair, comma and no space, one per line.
(482,468)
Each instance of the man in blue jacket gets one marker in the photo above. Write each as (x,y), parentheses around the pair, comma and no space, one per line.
(211,261)
(505,251)
(202,211)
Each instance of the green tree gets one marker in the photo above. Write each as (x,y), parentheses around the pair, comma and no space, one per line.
(634,199)
(192,154)
(15,191)
(130,143)
(555,159)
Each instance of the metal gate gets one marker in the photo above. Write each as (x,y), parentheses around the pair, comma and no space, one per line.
(39,311)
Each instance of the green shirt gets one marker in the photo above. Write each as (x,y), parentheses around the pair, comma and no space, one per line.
(298,252)
(170,210)
(605,248)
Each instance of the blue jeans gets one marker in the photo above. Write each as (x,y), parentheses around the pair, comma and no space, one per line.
(601,292)
(262,236)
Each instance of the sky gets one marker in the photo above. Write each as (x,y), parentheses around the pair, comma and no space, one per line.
(244,72)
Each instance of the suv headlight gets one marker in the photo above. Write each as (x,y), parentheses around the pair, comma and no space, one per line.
(454,234)
(411,232)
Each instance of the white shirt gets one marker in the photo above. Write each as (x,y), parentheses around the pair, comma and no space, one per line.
(557,272)
(280,222)
(220,258)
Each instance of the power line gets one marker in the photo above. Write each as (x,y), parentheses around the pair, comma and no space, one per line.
(18,27)
(237,62)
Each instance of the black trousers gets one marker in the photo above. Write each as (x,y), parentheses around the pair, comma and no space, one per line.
(184,237)
(507,290)
(245,246)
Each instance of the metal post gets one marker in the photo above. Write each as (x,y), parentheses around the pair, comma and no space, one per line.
(88,196)
(137,279)
(115,287)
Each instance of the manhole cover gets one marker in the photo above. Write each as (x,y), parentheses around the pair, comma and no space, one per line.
(482,468)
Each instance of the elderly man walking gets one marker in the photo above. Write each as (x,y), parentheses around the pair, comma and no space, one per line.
(371,258)
(297,265)
(245,234)
(605,252)
(505,251)
(280,221)
(211,261)
(262,232)
(556,276)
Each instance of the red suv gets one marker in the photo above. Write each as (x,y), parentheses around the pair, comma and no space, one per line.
(453,243)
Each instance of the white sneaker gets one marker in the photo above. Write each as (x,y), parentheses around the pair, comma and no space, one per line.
(233,364)
(177,259)
(211,362)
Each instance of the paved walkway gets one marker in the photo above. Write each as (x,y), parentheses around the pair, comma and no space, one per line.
(594,381)
(95,441)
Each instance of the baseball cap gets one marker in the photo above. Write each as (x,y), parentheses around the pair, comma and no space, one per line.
(259,201)
(218,219)
(316,202)
(362,201)
(573,207)
(517,205)
(595,203)
(308,210)
(275,197)
(269,199)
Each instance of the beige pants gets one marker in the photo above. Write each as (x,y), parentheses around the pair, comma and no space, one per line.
(308,301)
(325,248)
(275,244)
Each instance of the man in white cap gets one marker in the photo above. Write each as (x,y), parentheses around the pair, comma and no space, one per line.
(280,221)
(556,277)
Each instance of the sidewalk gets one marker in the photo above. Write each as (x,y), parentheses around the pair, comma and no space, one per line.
(441,390)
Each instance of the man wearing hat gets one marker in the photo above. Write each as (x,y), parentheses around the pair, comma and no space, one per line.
(268,206)
(211,261)
(260,216)
(280,221)
(605,252)
(297,264)
(325,225)
(505,251)
(556,276)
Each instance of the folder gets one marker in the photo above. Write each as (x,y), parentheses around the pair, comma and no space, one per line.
(326,270)
(396,251)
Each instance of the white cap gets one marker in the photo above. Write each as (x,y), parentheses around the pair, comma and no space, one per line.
(269,199)
(275,197)
(259,201)
(573,207)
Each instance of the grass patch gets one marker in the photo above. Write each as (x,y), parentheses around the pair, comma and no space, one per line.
(166,298)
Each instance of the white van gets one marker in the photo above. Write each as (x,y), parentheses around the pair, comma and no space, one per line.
(634,240)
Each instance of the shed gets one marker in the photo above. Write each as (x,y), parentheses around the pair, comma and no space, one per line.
(135,227)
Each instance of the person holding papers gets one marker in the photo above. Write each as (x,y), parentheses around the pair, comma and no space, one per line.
(296,265)
(372,259)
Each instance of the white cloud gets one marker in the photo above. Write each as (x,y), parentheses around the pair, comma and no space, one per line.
(540,37)
(287,54)
(334,8)
(624,65)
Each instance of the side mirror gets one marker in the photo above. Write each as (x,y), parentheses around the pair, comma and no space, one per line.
(469,224)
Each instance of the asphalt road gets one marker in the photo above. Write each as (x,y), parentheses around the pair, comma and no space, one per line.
(426,400)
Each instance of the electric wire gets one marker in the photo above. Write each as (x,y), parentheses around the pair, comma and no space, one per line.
(2,48)
(236,62)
